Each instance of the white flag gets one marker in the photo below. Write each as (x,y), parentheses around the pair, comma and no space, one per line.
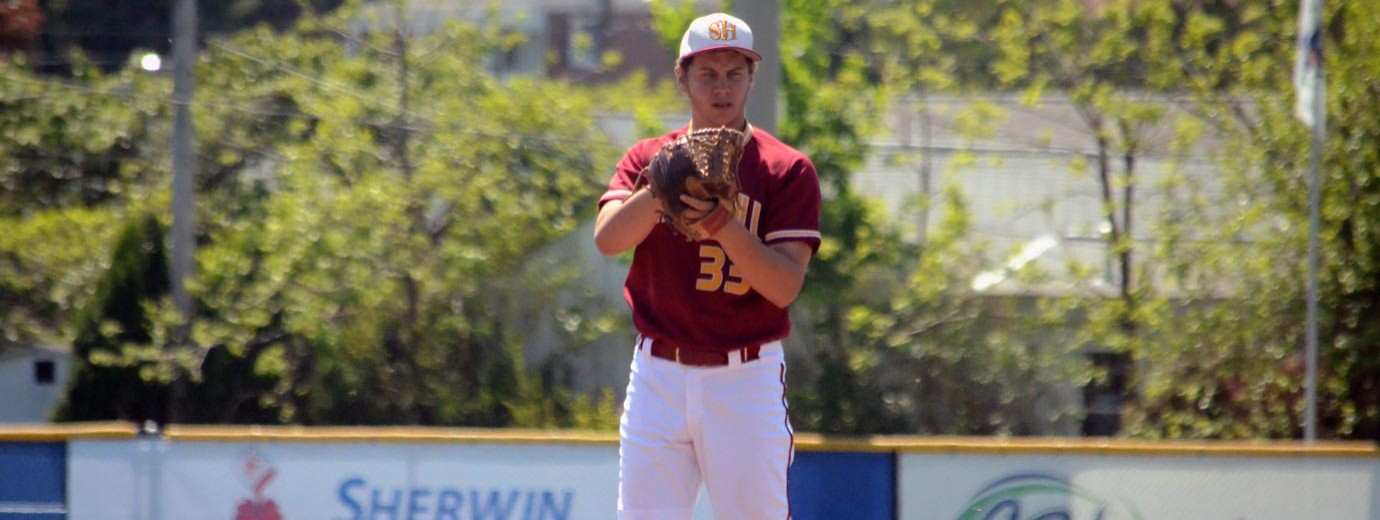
(1308,76)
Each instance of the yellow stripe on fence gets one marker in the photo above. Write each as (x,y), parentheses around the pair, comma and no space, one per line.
(64,431)
(400,434)
(804,441)
(1090,446)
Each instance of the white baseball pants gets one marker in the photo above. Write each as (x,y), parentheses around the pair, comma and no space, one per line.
(724,426)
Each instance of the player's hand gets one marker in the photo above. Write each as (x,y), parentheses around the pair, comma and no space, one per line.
(698,209)
(707,215)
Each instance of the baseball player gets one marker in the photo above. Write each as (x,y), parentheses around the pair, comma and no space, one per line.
(706,398)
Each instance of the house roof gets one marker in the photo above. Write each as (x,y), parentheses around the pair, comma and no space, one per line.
(24,350)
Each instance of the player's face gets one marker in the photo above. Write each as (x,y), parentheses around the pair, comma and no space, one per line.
(717,84)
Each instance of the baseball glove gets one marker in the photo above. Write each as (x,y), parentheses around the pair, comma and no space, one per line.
(704,165)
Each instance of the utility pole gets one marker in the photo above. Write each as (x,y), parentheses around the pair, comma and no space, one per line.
(764,16)
(184,182)
(400,49)
(918,103)
(408,335)
(926,163)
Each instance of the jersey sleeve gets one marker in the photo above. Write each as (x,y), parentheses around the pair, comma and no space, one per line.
(793,214)
(626,174)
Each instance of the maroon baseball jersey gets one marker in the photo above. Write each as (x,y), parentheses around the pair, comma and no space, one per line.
(689,293)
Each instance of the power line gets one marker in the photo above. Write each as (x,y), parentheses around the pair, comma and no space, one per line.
(283,66)
(547,140)
(43,62)
(430,125)
(69,86)
(368,99)
(123,34)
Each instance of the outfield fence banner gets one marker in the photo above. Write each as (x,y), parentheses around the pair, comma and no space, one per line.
(973,486)
(295,473)
(161,479)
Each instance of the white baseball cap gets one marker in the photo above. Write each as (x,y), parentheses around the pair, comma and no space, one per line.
(715,32)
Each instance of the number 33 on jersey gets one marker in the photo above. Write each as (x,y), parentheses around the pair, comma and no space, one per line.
(716,271)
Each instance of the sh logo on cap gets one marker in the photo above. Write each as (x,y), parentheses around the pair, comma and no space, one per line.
(723,30)
(716,32)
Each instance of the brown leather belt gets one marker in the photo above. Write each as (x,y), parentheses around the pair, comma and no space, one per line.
(703,358)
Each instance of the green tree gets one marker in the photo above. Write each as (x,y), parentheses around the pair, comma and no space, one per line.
(829,109)
(1107,61)
(1352,275)
(374,281)
(364,228)
(914,348)
(1210,300)
(1236,370)
(75,155)
(103,388)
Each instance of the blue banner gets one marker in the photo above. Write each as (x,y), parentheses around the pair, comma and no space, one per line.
(33,480)
(834,485)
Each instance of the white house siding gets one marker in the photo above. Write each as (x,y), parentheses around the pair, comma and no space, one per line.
(22,399)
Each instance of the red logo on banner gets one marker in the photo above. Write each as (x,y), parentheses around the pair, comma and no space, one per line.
(256,474)
(266,510)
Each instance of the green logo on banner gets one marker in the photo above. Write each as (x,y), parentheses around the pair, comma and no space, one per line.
(1032,496)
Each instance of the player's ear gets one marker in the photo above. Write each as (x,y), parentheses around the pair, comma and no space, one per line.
(681,81)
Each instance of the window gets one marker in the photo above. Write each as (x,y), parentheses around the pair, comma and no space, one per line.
(1104,396)
(43,372)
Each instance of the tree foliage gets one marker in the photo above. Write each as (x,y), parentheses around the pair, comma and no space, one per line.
(363,228)
(370,210)
(1236,369)
(117,315)
(385,259)
(1211,295)
(73,158)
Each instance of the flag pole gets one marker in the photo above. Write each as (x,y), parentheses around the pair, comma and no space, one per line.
(1311,108)
(1314,201)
